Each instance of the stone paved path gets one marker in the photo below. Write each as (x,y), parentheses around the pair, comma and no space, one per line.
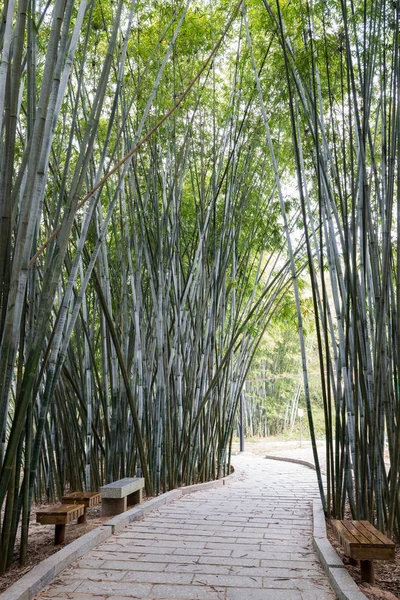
(285,449)
(248,540)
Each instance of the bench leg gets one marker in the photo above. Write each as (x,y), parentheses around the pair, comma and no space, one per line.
(135,498)
(59,535)
(367,571)
(82,518)
(113,506)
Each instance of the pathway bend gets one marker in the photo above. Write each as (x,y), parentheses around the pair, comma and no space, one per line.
(248,540)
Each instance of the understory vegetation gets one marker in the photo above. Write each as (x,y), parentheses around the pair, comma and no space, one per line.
(193,195)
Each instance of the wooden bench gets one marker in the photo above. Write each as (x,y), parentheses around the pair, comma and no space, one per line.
(60,516)
(116,496)
(88,499)
(363,542)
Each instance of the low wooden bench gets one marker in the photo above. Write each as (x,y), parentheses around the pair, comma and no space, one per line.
(363,542)
(116,496)
(60,516)
(88,499)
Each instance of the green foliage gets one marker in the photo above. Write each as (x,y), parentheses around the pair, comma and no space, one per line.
(273,389)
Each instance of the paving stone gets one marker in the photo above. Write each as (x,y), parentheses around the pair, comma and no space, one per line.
(245,537)
(228,581)
(192,592)
(124,597)
(90,563)
(305,555)
(309,595)
(154,577)
(124,547)
(289,546)
(180,543)
(170,558)
(274,559)
(203,552)
(286,583)
(212,569)
(132,551)
(60,586)
(292,573)
(285,566)
(127,565)
(136,590)
(248,571)
(274,594)
(94,574)
(240,562)
(75,596)
(216,546)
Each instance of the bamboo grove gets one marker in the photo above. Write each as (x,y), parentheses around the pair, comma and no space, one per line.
(125,342)
(342,82)
(179,166)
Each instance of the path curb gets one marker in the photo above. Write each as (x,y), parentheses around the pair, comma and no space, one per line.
(33,582)
(296,461)
(341,581)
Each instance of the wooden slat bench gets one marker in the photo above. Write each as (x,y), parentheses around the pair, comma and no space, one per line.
(116,496)
(88,499)
(362,541)
(60,516)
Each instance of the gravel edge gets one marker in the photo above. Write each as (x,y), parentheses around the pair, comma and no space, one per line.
(42,574)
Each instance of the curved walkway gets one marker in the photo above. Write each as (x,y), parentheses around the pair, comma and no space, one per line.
(248,540)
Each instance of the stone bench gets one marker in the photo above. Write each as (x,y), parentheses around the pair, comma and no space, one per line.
(60,516)
(116,496)
(88,499)
(362,542)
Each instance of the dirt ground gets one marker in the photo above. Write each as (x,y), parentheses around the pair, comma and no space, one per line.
(41,537)
(41,542)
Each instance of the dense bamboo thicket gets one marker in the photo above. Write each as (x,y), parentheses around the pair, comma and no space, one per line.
(270,406)
(131,304)
(341,64)
(273,390)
